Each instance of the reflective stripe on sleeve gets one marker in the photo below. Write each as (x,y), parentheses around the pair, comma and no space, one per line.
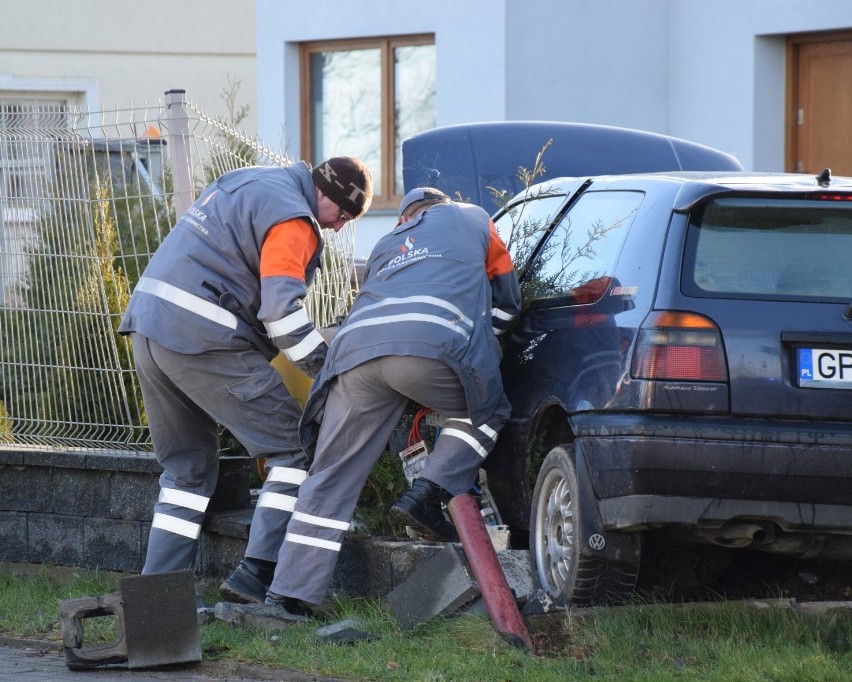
(181,498)
(289,323)
(305,347)
(320,521)
(286,475)
(187,301)
(501,315)
(172,524)
(312,542)
(467,438)
(276,501)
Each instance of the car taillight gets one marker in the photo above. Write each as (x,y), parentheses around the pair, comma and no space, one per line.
(679,346)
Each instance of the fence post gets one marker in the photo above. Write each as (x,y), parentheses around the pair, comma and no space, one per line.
(178,120)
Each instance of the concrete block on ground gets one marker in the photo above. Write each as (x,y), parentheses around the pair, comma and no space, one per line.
(372,567)
(346,631)
(160,619)
(363,568)
(155,623)
(516,567)
(256,616)
(439,587)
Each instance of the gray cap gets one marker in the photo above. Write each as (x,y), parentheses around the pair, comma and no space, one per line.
(420,194)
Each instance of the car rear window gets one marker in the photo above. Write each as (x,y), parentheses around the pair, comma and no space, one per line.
(776,249)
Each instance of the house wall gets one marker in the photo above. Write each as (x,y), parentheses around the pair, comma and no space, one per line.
(712,72)
(727,71)
(118,52)
(469,37)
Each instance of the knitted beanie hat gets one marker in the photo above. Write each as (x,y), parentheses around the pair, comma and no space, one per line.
(347,182)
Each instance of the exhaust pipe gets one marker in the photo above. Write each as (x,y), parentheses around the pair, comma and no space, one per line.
(737,535)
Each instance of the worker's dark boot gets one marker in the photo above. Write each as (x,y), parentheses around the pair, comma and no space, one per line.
(290,605)
(249,582)
(420,508)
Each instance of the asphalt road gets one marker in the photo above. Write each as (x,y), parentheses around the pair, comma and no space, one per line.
(28,661)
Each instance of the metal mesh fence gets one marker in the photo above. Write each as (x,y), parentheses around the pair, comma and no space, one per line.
(85,198)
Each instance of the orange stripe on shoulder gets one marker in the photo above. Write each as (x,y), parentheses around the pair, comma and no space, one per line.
(498,261)
(288,249)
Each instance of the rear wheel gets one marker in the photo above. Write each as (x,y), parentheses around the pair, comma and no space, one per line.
(556,534)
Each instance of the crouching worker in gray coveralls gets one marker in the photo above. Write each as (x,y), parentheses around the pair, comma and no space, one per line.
(218,300)
(422,328)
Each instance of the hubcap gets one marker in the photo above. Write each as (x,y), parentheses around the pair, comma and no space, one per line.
(554,541)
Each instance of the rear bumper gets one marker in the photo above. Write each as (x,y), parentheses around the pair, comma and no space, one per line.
(649,472)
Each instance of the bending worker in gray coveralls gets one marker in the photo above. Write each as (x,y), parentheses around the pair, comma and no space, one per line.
(422,328)
(218,300)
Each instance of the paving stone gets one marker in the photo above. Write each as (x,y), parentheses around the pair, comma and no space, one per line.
(160,619)
(256,616)
(346,631)
(439,587)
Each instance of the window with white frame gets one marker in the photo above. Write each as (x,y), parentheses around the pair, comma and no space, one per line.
(363,98)
(26,174)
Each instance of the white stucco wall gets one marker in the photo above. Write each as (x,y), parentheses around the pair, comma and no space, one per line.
(469,39)
(470,53)
(727,71)
(118,52)
(588,62)
(712,72)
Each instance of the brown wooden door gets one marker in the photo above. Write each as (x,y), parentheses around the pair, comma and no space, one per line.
(820,103)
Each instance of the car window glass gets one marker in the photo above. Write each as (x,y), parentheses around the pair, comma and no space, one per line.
(522,224)
(769,248)
(579,255)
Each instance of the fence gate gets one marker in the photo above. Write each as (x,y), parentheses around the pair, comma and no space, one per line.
(85,198)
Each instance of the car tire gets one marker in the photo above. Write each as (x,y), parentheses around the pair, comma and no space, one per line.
(556,533)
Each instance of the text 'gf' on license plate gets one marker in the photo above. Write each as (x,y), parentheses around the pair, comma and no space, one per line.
(824,368)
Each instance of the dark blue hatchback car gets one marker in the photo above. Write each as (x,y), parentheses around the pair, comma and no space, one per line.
(683,363)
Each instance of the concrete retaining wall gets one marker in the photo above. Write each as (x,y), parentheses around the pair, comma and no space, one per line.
(94,509)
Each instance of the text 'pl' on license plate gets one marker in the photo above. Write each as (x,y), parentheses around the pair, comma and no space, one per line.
(825,368)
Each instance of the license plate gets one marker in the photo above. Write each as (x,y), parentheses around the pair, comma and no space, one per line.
(823,368)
